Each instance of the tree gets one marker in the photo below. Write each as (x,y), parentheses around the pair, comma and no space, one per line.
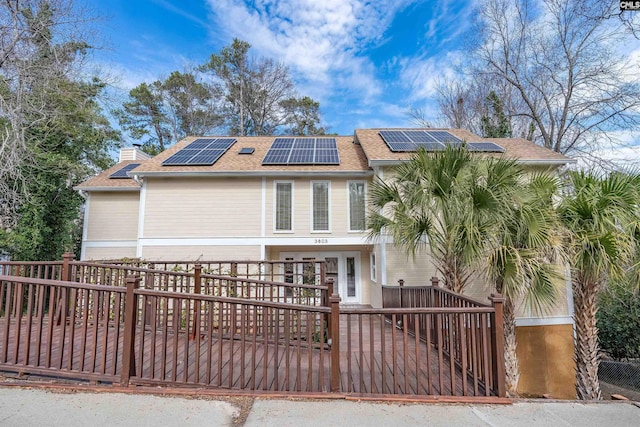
(556,57)
(191,105)
(458,104)
(494,122)
(600,216)
(163,112)
(524,258)
(484,105)
(447,201)
(619,319)
(303,116)
(54,118)
(258,93)
(143,115)
(28,75)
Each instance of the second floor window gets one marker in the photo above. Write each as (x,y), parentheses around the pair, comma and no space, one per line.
(356,206)
(320,200)
(283,206)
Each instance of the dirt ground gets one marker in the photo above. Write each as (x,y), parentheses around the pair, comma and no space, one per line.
(609,389)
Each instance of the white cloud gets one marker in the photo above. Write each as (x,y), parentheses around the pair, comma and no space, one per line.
(322,41)
(420,75)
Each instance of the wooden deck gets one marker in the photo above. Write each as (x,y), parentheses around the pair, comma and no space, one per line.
(376,358)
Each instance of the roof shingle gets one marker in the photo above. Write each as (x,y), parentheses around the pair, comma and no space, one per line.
(356,152)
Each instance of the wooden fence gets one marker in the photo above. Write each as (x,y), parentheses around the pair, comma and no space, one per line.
(466,332)
(194,329)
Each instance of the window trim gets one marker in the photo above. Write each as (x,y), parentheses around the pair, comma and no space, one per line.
(275,206)
(311,210)
(349,182)
(372,267)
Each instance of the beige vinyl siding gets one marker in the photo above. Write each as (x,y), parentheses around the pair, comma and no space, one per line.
(205,253)
(202,207)
(414,271)
(418,272)
(109,253)
(302,207)
(113,215)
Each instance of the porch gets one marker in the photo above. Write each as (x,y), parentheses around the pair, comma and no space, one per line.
(226,332)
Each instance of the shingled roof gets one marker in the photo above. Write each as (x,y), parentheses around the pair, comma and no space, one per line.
(524,151)
(103,182)
(358,154)
(352,160)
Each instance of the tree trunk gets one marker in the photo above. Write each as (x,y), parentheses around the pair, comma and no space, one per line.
(512,372)
(586,351)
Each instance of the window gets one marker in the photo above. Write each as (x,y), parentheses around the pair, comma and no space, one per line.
(320,202)
(351,277)
(372,259)
(283,206)
(356,206)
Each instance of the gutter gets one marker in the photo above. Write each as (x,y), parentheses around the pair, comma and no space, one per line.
(87,189)
(541,162)
(281,173)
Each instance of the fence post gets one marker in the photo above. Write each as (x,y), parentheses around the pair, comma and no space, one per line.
(197,288)
(329,284)
(234,273)
(400,291)
(150,302)
(334,299)
(67,257)
(497,343)
(435,296)
(130,314)
(65,275)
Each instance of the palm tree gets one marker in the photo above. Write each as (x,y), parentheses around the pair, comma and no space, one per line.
(475,214)
(524,259)
(600,217)
(447,201)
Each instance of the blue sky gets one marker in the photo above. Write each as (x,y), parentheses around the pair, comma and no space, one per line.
(366,62)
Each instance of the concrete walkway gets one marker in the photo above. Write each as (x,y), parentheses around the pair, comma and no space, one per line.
(28,407)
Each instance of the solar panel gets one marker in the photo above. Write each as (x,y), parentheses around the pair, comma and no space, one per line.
(419,136)
(488,147)
(301,156)
(325,143)
(327,157)
(199,144)
(431,146)
(302,151)
(305,143)
(283,143)
(391,136)
(182,157)
(247,150)
(206,157)
(402,146)
(221,144)
(122,172)
(443,136)
(201,152)
(277,156)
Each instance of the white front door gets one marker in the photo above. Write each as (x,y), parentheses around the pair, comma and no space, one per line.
(343,267)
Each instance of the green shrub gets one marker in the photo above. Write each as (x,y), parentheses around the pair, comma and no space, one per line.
(619,321)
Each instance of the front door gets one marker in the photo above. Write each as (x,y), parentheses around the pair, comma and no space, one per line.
(342,267)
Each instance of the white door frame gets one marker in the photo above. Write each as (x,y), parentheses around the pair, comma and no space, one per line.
(342,270)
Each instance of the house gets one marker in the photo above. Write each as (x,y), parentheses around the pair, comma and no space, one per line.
(287,198)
